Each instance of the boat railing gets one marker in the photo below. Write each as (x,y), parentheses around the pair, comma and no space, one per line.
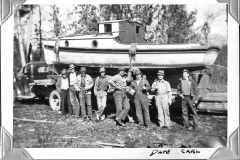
(109,33)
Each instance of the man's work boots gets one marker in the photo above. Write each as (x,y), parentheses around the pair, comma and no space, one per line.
(118,122)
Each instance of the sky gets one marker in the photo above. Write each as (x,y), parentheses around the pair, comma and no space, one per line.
(219,26)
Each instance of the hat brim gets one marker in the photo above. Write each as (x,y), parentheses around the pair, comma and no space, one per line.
(160,74)
(138,73)
(71,67)
(63,73)
(101,71)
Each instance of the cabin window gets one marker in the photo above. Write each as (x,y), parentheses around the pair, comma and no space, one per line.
(107,28)
(137,29)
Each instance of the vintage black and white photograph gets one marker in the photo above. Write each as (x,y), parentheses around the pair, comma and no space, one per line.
(120,76)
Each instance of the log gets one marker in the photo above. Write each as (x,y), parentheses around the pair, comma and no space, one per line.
(71,137)
(204,125)
(220,107)
(31,120)
(216,95)
(214,99)
(111,144)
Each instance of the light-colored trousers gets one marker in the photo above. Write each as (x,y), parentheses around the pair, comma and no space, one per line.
(101,102)
(163,110)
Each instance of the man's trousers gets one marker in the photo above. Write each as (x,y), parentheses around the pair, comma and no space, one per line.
(188,108)
(85,99)
(122,104)
(163,109)
(65,100)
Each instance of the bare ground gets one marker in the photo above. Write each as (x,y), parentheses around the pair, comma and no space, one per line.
(71,132)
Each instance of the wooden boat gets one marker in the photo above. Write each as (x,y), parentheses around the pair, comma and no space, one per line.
(111,45)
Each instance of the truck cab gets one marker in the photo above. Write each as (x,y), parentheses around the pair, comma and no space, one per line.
(37,80)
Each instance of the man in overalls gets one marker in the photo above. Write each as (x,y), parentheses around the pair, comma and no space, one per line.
(163,99)
(140,88)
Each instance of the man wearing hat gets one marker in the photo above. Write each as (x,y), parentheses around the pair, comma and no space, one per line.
(119,82)
(187,90)
(163,99)
(141,86)
(85,84)
(100,91)
(62,86)
(73,88)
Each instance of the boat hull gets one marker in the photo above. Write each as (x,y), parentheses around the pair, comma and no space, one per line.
(113,54)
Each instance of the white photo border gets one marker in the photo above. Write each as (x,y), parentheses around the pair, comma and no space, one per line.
(6,144)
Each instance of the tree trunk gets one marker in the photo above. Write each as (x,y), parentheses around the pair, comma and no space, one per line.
(21,48)
(29,35)
(40,30)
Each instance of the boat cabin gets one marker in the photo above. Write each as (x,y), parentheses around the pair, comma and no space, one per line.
(129,31)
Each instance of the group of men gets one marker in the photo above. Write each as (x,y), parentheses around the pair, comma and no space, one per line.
(77,87)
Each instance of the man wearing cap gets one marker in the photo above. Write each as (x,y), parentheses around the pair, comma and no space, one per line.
(141,86)
(163,99)
(73,88)
(62,86)
(187,90)
(85,84)
(119,82)
(100,91)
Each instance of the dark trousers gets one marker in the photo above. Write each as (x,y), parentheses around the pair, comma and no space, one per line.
(142,108)
(122,104)
(85,99)
(65,100)
(188,108)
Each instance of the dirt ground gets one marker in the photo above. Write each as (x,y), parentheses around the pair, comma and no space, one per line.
(72,132)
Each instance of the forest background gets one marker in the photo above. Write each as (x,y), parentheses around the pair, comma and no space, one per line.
(163,24)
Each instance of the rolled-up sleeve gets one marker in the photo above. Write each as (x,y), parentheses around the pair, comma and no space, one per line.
(112,81)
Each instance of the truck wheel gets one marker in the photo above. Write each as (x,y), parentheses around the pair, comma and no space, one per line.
(54,100)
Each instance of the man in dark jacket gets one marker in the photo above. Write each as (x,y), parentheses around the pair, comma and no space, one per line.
(62,86)
(187,90)
(140,88)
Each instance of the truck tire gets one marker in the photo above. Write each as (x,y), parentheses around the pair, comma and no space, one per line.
(55,100)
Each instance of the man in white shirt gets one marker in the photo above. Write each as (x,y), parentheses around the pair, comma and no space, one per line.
(73,89)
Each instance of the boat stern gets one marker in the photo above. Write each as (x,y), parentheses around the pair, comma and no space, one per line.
(211,55)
